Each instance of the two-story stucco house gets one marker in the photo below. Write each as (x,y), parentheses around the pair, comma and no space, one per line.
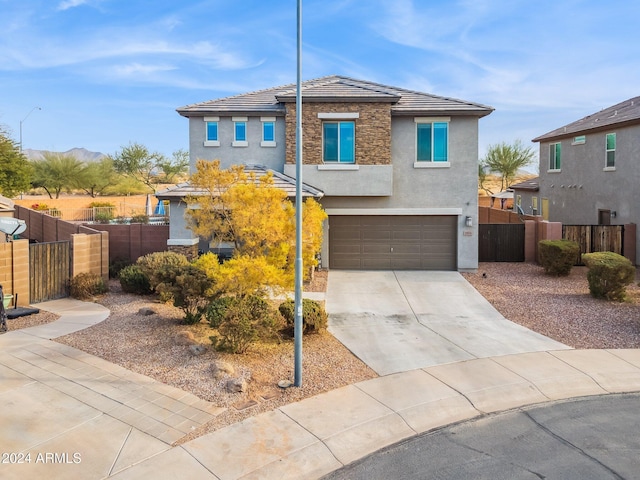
(590,169)
(397,168)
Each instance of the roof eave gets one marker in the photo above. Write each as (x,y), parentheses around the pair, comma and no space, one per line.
(584,131)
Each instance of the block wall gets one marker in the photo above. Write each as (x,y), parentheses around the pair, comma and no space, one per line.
(14,269)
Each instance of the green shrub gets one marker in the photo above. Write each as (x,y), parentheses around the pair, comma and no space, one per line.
(247,319)
(140,218)
(116,265)
(558,256)
(87,285)
(188,287)
(314,316)
(105,212)
(609,274)
(134,280)
(152,263)
(216,310)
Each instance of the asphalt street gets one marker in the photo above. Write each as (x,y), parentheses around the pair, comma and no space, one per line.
(587,438)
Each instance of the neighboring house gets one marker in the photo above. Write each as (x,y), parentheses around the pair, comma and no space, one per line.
(526,197)
(398,168)
(590,169)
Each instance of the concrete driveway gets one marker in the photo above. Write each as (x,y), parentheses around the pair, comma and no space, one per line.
(396,321)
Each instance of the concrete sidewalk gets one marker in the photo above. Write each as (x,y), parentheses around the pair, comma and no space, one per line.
(78,416)
(316,436)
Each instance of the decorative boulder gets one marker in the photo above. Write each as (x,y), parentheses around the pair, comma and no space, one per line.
(146,311)
(218,369)
(237,385)
(184,337)
(198,349)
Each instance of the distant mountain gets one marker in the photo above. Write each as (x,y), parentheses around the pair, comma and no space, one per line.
(81,154)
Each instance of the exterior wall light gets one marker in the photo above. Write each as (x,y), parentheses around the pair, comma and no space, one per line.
(468,222)
(614,214)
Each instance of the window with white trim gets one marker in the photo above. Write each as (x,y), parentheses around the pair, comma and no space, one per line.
(432,141)
(339,142)
(610,149)
(268,131)
(240,131)
(211,132)
(555,156)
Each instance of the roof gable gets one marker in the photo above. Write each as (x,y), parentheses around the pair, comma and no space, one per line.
(337,88)
(623,113)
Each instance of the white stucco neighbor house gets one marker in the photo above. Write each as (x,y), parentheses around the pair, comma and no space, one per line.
(396,170)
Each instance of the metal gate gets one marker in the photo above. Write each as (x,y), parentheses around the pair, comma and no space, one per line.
(49,270)
(501,242)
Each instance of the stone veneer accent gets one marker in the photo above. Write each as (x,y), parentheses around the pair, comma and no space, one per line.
(373,131)
(189,251)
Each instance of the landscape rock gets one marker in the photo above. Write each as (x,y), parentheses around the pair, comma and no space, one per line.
(236,385)
(184,337)
(145,311)
(220,368)
(198,349)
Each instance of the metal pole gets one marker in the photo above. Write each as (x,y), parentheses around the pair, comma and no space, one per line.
(297,381)
(22,121)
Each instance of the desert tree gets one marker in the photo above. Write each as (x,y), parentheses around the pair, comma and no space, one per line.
(174,167)
(149,168)
(15,169)
(506,160)
(258,219)
(137,162)
(96,178)
(56,172)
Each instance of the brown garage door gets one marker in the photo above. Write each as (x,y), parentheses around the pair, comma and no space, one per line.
(387,242)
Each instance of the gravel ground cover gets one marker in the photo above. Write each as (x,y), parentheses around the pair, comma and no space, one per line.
(559,307)
(154,345)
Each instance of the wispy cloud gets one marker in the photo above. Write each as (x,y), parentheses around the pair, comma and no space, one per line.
(66,4)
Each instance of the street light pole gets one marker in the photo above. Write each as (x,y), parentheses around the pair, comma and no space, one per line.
(297,325)
(22,121)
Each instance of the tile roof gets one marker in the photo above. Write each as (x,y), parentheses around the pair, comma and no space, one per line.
(626,112)
(337,88)
(531,184)
(280,180)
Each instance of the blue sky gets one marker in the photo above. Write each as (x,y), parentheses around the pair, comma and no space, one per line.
(110,72)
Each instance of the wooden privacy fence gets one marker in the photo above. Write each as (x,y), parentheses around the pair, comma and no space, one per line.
(595,238)
(501,242)
(49,269)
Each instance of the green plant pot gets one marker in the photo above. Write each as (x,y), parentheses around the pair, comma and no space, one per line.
(7,300)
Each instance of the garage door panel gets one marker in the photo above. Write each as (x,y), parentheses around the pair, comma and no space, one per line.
(393,242)
(348,249)
(375,263)
(376,235)
(407,235)
(349,262)
(404,249)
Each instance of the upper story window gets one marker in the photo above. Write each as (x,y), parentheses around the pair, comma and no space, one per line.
(211,132)
(268,131)
(432,142)
(339,141)
(579,140)
(555,154)
(240,131)
(610,150)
